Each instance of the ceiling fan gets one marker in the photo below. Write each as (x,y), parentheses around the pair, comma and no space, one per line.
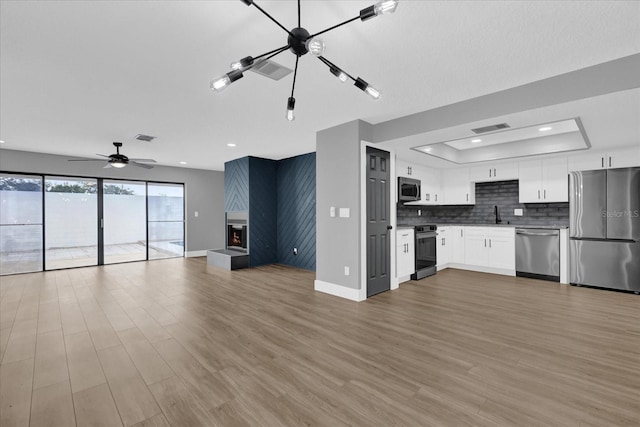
(118,160)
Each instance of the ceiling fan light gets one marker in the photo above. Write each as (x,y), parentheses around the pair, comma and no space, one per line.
(386,6)
(316,46)
(341,75)
(118,164)
(221,83)
(291,104)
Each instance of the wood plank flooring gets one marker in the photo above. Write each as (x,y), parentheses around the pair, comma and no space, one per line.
(166,343)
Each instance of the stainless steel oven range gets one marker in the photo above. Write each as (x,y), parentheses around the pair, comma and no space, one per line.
(425,248)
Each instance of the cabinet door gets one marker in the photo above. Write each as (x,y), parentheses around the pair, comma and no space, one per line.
(530,184)
(505,172)
(624,158)
(405,169)
(457,188)
(482,173)
(502,252)
(405,252)
(456,237)
(443,249)
(587,161)
(555,180)
(476,246)
(431,193)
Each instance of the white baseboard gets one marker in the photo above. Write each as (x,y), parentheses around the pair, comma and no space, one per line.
(482,269)
(192,254)
(338,291)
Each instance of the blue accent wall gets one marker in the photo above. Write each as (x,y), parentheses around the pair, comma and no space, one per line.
(236,185)
(263,211)
(280,197)
(297,211)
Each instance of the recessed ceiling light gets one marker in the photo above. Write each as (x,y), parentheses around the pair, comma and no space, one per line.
(546,128)
(1,142)
(183,163)
(427,149)
(231,144)
(476,140)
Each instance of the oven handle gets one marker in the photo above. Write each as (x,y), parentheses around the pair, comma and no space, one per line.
(425,235)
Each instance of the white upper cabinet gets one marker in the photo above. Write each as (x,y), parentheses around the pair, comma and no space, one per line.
(544,181)
(623,158)
(457,189)
(405,169)
(494,172)
(430,186)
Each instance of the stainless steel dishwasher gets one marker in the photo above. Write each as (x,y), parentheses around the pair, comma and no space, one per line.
(538,253)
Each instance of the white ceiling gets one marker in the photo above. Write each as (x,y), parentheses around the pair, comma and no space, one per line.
(77,75)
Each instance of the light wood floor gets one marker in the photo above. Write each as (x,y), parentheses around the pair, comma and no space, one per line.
(166,343)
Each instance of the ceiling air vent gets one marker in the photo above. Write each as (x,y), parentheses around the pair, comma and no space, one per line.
(271,69)
(146,138)
(491,128)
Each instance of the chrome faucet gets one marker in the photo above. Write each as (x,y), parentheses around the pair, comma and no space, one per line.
(495,212)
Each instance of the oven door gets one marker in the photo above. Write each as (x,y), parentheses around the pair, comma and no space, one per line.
(425,254)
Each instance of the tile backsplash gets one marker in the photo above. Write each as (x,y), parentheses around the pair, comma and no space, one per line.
(503,194)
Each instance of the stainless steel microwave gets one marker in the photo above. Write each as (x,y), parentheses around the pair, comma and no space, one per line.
(408,189)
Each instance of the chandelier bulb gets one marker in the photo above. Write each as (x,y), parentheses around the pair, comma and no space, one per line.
(221,83)
(316,46)
(341,75)
(291,104)
(367,88)
(385,6)
(242,64)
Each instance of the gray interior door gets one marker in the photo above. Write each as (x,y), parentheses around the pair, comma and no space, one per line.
(378,226)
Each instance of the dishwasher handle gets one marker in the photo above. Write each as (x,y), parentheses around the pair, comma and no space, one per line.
(528,233)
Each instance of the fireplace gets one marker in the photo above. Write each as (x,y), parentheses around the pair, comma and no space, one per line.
(237,236)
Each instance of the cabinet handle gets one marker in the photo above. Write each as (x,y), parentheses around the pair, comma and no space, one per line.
(495,173)
(489,172)
(485,243)
(538,194)
(461,232)
(489,242)
(436,197)
(545,194)
(602,159)
(467,197)
(609,161)
(444,241)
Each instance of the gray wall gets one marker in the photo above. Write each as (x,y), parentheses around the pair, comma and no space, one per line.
(338,184)
(204,189)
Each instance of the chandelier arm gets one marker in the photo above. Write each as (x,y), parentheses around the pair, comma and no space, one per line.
(272,18)
(295,74)
(279,51)
(335,26)
(331,64)
(271,51)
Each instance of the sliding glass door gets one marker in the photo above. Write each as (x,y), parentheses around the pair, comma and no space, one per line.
(71,219)
(166,220)
(20,223)
(124,221)
(54,222)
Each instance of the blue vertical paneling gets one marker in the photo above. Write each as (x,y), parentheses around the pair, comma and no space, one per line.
(297,211)
(236,185)
(263,211)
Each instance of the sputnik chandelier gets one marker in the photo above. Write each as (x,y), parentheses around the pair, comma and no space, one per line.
(300,42)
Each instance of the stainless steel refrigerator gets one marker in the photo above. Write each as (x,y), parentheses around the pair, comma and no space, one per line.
(604,208)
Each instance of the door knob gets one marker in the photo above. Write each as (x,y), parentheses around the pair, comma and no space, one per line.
(389,227)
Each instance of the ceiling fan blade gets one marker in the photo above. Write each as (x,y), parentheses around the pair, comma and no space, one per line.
(143,160)
(142,165)
(85,160)
(107,166)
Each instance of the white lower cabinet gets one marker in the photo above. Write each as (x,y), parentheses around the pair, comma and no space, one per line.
(490,247)
(443,248)
(456,236)
(405,253)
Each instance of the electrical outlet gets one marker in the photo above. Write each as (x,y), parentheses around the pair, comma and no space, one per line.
(419,212)
(517,212)
(346,270)
(295,251)
(196,214)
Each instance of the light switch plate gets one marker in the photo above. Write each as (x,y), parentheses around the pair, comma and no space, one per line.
(345,212)
(518,212)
